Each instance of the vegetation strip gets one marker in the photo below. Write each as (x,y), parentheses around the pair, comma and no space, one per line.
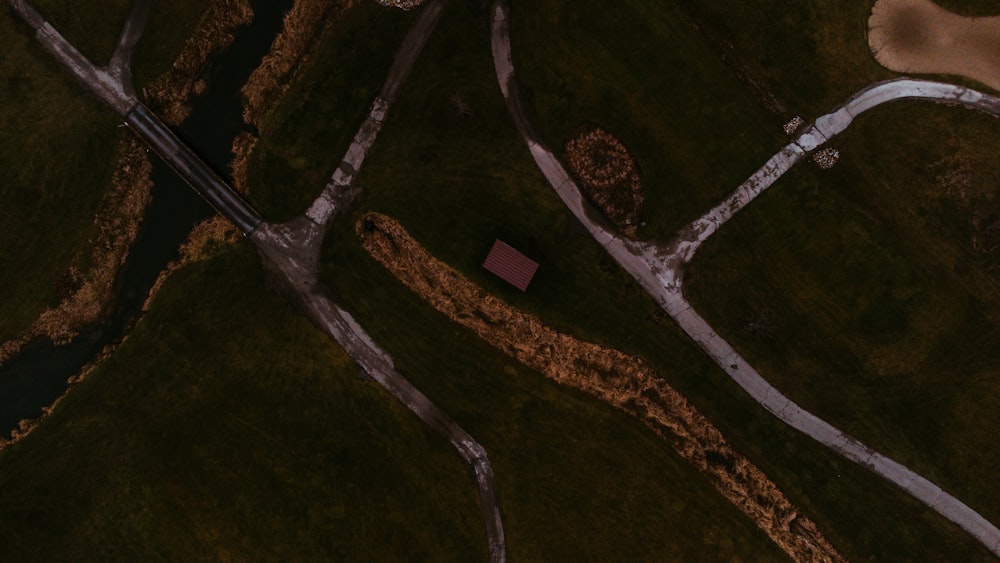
(87,285)
(270,81)
(610,375)
(216,31)
(206,241)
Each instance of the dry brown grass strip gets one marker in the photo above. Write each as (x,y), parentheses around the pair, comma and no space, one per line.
(299,32)
(614,377)
(216,30)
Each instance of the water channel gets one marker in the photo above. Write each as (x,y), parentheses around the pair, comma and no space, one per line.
(35,377)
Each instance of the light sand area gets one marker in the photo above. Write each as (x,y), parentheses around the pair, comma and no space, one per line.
(916,36)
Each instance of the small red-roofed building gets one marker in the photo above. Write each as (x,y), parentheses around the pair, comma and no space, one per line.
(510,265)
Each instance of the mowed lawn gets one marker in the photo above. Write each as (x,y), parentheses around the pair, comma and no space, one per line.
(875,284)
(58,147)
(228,427)
(810,55)
(303,140)
(879,293)
(576,479)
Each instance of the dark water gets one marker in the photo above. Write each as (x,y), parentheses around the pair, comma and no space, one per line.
(37,376)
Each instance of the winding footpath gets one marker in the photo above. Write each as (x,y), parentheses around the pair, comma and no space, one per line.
(290,251)
(659,268)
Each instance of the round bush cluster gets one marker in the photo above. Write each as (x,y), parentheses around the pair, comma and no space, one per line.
(608,175)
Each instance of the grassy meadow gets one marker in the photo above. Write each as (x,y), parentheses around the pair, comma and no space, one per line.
(642,72)
(875,284)
(340,79)
(878,293)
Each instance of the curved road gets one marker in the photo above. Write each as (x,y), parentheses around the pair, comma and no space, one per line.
(289,250)
(659,268)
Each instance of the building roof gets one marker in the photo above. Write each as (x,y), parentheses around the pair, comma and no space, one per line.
(510,265)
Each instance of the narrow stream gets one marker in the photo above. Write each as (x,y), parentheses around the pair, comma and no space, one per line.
(35,377)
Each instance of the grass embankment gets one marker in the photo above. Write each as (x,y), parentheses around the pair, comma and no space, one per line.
(644,74)
(60,156)
(302,142)
(229,427)
(878,287)
(457,184)
(169,26)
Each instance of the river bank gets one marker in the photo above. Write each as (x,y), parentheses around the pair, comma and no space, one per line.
(303,25)
(40,373)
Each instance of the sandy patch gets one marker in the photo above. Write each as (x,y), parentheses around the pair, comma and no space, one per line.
(918,36)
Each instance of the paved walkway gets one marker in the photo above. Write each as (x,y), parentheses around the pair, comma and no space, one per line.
(659,268)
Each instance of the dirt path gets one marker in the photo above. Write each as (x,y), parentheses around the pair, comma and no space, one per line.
(659,268)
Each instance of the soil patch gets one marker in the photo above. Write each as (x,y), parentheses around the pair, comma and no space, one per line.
(920,36)
(614,377)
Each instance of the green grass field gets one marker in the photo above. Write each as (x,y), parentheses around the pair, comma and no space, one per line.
(883,310)
(92,28)
(456,184)
(343,75)
(58,153)
(878,280)
(229,427)
(810,55)
(644,74)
